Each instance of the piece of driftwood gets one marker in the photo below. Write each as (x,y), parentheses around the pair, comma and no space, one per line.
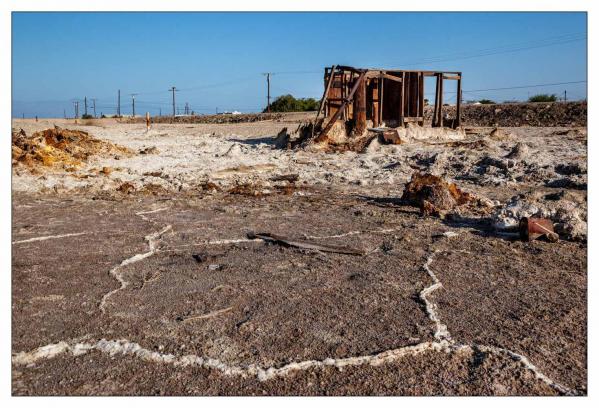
(280,240)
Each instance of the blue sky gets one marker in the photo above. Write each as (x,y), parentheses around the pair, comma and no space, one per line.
(216,59)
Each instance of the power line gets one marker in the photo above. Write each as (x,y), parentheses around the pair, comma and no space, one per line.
(502,50)
(524,86)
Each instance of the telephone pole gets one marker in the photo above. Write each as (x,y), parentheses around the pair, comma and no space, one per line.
(133,103)
(76,105)
(173,89)
(85,104)
(565,96)
(94,101)
(268,74)
(118,107)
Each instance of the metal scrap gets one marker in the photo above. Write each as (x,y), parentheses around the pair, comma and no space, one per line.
(535,228)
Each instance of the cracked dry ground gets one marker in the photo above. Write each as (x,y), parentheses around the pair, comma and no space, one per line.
(190,306)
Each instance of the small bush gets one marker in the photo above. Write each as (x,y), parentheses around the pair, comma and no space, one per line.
(542,98)
(486,102)
(88,116)
(287,103)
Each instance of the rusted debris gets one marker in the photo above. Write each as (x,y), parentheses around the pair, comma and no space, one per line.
(126,188)
(535,228)
(247,189)
(209,186)
(387,136)
(280,240)
(433,195)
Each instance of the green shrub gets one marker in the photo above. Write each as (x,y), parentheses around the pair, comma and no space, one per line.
(542,98)
(486,102)
(88,116)
(287,103)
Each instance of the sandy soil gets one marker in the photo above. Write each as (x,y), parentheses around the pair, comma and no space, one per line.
(158,290)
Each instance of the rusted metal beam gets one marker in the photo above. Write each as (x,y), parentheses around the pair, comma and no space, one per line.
(436,109)
(391,77)
(456,77)
(324,97)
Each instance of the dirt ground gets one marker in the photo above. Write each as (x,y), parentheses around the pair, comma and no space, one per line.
(156,289)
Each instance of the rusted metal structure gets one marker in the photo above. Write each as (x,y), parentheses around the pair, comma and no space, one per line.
(389,98)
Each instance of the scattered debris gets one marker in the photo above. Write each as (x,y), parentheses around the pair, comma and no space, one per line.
(248,189)
(199,258)
(149,150)
(280,240)
(292,178)
(213,267)
(126,188)
(209,186)
(433,195)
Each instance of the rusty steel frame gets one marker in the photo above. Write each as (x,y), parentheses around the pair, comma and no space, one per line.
(409,98)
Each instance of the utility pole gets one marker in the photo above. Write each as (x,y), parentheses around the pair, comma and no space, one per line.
(94,101)
(133,103)
(565,96)
(76,105)
(85,104)
(173,89)
(65,113)
(118,106)
(268,74)
(160,110)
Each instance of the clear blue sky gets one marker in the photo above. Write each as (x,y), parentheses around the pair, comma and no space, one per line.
(60,57)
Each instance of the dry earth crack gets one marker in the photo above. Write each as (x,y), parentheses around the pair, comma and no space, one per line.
(152,241)
(122,347)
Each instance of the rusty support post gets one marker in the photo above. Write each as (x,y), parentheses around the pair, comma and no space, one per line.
(324,97)
(381,94)
(440,121)
(375,103)
(359,108)
(402,99)
(421,98)
(458,110)
(436,108)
